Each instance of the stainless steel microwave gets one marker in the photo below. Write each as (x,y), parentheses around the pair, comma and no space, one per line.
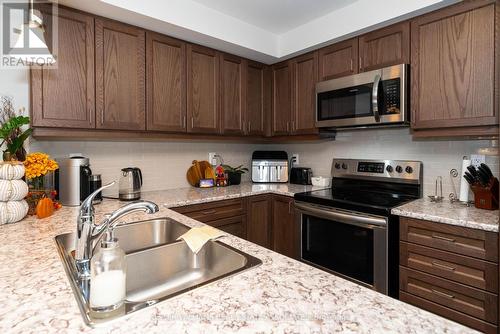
(375,98)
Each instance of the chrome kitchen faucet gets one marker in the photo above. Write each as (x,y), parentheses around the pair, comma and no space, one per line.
(88,232)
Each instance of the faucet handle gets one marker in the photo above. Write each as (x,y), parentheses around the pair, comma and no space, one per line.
(87,208)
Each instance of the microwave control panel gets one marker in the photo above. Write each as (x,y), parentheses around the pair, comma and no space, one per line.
(391,96)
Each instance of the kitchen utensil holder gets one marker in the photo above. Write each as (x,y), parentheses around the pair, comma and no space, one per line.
(486,197)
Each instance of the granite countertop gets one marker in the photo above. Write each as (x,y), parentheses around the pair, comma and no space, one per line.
(280,296)
(450,213)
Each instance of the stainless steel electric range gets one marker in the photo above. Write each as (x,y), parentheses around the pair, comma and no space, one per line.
(349,230)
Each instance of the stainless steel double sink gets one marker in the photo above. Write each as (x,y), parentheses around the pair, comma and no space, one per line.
(158,266)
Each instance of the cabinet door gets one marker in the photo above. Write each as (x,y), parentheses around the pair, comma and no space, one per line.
(64,97)
(385,47)
(453,67)
(166,83)
(259,220)
(284,234)
(120,71)
(282,98)
(256,104)
(203,89)
(338,60)
(233,91)
(305,77)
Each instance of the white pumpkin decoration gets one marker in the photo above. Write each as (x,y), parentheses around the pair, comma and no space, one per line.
(13,190)
(14,211)
(11,170)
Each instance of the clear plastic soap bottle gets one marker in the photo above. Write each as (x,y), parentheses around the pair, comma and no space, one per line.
(108,276)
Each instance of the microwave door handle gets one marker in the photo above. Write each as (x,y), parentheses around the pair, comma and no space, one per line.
(376,83)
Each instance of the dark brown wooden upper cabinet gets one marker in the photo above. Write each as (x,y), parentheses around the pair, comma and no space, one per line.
(338,60)
(232,92)
(305,77)
(120,76)
(282,98)
(65,97)
(166,83)
(256,103)
(385,47)
(203,90)
(453,67)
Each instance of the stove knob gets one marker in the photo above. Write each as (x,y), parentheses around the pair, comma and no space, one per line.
(337,165)
(344,166)
(408,169)
(389,168)
(399,169)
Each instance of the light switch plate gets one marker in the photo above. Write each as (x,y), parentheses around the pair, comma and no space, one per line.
(295,159)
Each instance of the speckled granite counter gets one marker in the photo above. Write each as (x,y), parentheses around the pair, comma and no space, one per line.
(450,213)
(185,196)
(280,296)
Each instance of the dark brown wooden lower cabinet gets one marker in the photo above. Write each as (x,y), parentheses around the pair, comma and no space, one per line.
(451,271)
(259,220)
(284,235)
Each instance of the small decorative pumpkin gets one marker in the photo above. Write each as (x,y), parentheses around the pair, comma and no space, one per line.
(11,170)
(13,190)
(14,211)
(44,208)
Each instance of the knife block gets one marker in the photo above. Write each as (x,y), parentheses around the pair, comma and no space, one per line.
(486,197)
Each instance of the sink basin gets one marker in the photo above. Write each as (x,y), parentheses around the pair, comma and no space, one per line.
(158,266)
(145,234)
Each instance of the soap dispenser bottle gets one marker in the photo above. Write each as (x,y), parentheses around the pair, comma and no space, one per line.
(108,276)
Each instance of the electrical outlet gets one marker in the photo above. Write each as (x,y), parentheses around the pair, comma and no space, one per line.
(295,159)
(212,159)
(477,159)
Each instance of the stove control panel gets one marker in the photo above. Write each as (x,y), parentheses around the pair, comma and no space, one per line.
(387,170)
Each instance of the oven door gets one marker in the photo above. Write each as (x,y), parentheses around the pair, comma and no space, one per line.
(370,98)
(350,244)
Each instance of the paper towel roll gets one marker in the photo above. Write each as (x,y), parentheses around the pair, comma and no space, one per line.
(464,185)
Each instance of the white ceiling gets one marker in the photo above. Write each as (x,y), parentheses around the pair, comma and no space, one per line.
(263,30)
(276,16)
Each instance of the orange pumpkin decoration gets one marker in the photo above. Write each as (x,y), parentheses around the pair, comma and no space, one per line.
(44,208)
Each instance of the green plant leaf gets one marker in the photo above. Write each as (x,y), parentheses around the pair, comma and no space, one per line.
(18,142)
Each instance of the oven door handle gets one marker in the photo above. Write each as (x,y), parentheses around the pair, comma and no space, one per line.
(341,216)
(376,83)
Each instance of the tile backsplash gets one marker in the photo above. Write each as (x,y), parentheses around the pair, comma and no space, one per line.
(164,164)
(438,157)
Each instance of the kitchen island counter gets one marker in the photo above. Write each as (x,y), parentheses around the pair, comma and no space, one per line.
(280,296)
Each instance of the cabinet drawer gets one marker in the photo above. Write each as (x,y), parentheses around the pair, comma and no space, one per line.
(448,313)
(456,239)
(476,303)
(207,212)
(462,269)
(234,225)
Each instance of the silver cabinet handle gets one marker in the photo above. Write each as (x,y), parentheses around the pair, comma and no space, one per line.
(443,266)
(435,236)
(442,294)
(192,122)
(352,64)
(183,122)
(376,82)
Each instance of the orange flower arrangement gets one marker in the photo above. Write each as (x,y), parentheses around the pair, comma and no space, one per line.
(39,164)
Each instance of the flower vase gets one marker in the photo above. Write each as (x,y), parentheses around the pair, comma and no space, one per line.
(40,187)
